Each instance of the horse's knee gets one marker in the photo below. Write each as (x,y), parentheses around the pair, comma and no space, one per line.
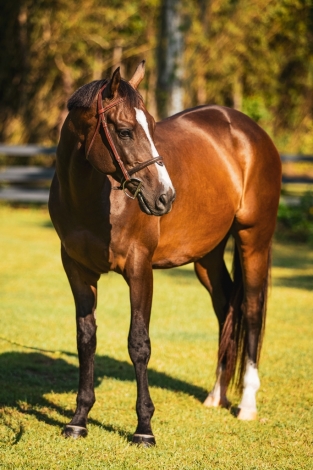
(139,345)
(86,330)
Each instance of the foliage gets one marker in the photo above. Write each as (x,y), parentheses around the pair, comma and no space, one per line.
(254,55)
(244,53)
(51,47)
(295,222)
(39,375)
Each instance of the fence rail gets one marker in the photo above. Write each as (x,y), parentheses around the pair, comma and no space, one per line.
(294,179)
(25,184)
(26,150)
(30,184)
(285,158)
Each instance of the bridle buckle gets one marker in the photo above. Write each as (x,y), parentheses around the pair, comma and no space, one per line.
(127,191)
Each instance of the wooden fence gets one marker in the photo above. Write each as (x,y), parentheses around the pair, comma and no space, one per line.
(30,184)
(25,184)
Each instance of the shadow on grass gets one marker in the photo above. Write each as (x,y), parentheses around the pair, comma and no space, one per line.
(292,256)
(26,377)
(298,282)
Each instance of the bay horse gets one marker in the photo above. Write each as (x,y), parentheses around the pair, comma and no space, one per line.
(226,173)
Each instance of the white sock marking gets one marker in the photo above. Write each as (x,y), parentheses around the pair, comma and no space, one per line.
(251,384)
(215,394)
(162,171)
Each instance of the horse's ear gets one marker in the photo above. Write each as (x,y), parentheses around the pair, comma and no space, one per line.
(114,83)
(138,75)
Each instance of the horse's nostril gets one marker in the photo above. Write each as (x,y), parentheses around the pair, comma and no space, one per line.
(161,202)
(163,199)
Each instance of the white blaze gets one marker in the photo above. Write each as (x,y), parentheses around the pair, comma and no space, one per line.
(251,384)
(162,171)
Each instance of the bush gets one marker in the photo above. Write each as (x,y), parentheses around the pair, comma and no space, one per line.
(295,222)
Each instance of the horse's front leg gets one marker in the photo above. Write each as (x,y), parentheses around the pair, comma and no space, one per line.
(138,274)
(84,287)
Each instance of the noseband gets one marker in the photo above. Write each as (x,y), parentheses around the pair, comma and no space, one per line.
(126,174)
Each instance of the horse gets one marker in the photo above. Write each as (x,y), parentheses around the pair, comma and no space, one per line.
(201,176)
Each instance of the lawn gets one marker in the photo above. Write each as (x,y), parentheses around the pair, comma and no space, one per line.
(39,368)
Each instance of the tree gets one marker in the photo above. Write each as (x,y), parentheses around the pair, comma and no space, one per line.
(49,48)
(169,92)
(254,55)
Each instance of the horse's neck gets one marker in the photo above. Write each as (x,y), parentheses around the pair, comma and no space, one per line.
(81,185)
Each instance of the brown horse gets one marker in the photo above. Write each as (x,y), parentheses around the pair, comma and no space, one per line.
(226,173)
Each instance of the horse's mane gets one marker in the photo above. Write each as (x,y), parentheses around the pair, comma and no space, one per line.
(85,95)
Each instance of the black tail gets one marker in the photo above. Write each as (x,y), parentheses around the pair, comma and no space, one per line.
(233,344)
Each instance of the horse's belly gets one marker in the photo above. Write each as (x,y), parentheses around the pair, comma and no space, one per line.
(189,239)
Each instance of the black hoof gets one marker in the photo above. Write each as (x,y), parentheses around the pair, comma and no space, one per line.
(143,440)
(70,430)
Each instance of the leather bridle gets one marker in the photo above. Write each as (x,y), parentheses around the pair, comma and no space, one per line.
(126,173)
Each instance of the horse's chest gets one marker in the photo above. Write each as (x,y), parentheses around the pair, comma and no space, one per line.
(89,249)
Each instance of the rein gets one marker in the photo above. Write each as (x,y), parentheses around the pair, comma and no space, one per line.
(126,174)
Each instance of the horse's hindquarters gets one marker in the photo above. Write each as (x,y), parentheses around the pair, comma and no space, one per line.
(224,168)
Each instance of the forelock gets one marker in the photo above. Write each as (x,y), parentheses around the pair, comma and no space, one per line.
(85,95)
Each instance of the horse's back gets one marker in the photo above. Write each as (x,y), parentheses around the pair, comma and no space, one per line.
(220,134)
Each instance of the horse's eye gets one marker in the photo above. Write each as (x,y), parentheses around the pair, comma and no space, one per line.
(124,133)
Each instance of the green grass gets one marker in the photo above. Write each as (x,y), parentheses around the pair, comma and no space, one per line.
(39,369)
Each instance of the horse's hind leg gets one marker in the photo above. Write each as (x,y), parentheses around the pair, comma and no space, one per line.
(84,287)
(255,260)
(214,276)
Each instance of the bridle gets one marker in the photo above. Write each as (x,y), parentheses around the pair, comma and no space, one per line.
(126,174)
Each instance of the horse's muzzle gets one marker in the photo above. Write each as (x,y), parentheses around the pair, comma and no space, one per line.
(164,202)
(160,206)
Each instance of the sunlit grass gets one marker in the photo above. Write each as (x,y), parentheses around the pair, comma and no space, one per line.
(38,366)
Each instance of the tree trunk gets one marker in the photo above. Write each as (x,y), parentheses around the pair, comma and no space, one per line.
(117,59)
(23,41)
(169,92)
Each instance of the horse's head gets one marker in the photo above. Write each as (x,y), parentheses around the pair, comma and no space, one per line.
(119,142)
